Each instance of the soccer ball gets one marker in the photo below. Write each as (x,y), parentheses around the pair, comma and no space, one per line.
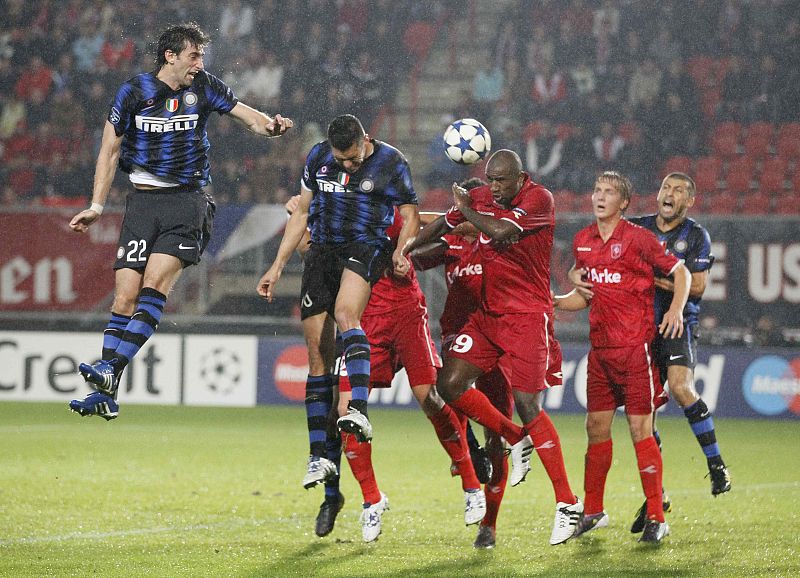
(466,141)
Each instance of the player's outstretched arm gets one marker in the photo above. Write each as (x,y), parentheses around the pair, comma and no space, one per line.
(572,301)
(104,171)
(292,235)
(408,233)
(260,123)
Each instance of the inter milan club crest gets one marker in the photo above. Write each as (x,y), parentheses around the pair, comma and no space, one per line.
(189,99)
(616,250)
(681,246)
(343,179)
(172,104)
(367,185)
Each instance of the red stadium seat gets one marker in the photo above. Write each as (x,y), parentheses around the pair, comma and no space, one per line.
(758,203)
(701,69)
(725,139)
(773,174)
(786,204)
(722,203)
(677,164)
(738,178)
(707,172)
(788,145)
(758,141)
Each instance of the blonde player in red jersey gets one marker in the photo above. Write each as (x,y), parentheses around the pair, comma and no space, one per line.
(621,260)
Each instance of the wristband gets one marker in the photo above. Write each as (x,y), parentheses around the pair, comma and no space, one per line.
(97,208)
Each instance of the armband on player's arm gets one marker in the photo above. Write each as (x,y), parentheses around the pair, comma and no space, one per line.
(97,208)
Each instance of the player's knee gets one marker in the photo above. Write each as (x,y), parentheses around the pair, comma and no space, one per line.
(450,387)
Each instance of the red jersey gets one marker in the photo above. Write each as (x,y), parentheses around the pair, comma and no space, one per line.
(390,292)
(464,276)
(516,276)
(622,273)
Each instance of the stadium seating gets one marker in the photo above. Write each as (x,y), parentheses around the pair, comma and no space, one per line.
(758,142)
(788,144)
(773,174)
(721,203)
(677,164)
(707,172)
(786,204)
(738,178)
(725,139)
(756,203)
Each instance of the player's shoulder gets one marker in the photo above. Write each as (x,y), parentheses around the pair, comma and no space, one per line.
(319,153)
(388,153)
(695,227)
(646,221)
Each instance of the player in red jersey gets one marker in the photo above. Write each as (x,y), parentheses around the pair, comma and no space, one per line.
(621,259)
(512,328)
(396,324)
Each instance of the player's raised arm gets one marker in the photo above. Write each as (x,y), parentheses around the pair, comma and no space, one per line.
(408,233)
(260,123)
(105,169)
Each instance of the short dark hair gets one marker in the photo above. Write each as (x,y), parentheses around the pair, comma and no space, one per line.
(692,188)
(176,38)
(344,131)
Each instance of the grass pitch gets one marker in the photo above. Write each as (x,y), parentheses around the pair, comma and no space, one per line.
(176,491)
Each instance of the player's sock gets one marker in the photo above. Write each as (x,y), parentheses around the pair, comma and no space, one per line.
(333,451)
(496,487)
(477,406)
(356,360)
(453,440)
(548,446)
(597,464)
(113,334)
(702,425)
(319,397)
(141,327)
(650,471)
(359,457)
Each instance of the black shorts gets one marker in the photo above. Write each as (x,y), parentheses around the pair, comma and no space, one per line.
(324,265)
(680,351)
(177,223)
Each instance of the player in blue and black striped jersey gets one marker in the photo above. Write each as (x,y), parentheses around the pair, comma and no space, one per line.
(676,358)
(350,187)
(156,132)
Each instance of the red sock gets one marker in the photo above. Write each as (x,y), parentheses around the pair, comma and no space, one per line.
(359,456)
(454,441)
(651,470)
(477,406)
(496,487)
(548,446)
(597,464)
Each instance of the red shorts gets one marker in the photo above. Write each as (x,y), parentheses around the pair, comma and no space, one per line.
(400,340)
(627,376)
(522,345)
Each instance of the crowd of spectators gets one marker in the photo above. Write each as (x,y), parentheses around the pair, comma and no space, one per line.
(580,86)
(61,62)
(574,85)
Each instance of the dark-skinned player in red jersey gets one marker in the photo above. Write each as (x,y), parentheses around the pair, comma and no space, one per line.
(516,220)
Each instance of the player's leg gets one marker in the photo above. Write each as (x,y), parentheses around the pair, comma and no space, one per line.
(351,300)
(597,463)
(318,331)
(496,388)
(681,386)
(359,458)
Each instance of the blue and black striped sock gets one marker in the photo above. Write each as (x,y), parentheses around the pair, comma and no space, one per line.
(356,360)
(702,425)
(319,398)
(113,334)
(333,451)
(141,326)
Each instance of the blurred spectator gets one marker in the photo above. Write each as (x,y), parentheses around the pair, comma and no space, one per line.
(365,74)
(87,46)
(36,77)
(765,332)
(543,148)
(12,113)
(487,87)
(645,82)
(738,90)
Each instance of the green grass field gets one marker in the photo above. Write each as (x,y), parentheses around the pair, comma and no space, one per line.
(216,492)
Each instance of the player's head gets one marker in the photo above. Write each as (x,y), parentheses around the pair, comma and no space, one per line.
(180,49)
(505,176)
(611,195)
(675,196)
(348,142)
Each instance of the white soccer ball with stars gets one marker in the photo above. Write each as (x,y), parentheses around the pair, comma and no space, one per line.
(466,141)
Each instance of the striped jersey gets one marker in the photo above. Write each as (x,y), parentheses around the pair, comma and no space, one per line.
(690,242)
(165,129)
(356,207)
